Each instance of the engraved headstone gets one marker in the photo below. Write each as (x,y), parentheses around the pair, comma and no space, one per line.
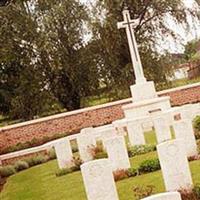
(162,128)
(135,133)
(64,153)
(86,141)
(174,165)
(108,133)
(165,196)
(117,153)
(120,126)
(98,180)
(184,130)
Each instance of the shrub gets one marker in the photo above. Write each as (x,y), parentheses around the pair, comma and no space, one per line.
(21,165)
(52,154)
(7,171)
(94,150)
(197,127)
(132,172)
(62,172)
(196,190)
(74,146)
(101,155)
(74,149)
(149,166)
(36,160)
(188,194)
(30,161)
(120,174)
(77,164)
(198,145)
(141,192)
(40,159)
(140,149)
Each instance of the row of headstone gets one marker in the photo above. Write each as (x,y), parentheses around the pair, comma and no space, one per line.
(99,181)
(86,139)
(98,174)
(172,155)
(183,130)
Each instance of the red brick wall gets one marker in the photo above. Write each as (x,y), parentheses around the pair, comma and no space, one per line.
(72,122)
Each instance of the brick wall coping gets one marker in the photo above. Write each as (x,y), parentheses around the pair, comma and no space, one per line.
(48,145)
(179,88)
(35,121)
(145,102)
(124,101)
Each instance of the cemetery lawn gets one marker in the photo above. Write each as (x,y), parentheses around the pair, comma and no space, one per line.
(40,182)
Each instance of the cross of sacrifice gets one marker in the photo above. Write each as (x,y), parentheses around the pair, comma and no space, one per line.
(129,25)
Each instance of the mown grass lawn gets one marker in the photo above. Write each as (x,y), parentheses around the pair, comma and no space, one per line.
(40,183)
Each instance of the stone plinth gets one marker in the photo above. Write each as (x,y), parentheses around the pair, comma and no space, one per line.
(98,180)
(145,108)
(143,91)
(64,153)
(184,130)
(117,153)
(174,165)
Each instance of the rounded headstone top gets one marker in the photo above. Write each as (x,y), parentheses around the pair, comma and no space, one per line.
(165,196)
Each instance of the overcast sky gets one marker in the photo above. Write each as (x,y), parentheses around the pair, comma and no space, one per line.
(168,44)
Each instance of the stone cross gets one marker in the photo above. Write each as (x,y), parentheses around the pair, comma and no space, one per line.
(129,25)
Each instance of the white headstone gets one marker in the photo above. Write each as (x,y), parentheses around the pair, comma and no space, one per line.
(86,141)
(117,153)
(99,181)
(135,133)
(188,111)
(162,128)
(184,130)
(108,133)
(120,126)
(165,196)
(87,130)
(64,153)
(174,165)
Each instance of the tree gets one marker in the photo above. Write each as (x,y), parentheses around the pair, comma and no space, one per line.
(191,49)
(22,83)
(115,63)
(71,73)
(43,57)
